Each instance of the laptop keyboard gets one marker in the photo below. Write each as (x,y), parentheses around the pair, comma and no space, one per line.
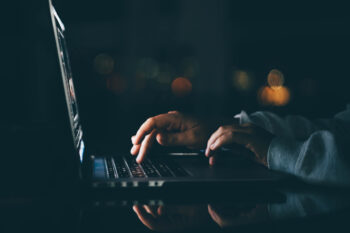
(121,169)
(125,167)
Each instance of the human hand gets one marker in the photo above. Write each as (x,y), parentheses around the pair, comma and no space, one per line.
(234,216)
(172,218)
(169,129)
(251,136)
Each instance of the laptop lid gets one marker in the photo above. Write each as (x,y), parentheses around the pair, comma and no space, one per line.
(67,79)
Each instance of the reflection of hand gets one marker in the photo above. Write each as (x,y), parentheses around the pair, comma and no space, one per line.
(230,216)
(252,137)
(170,129)
(171,218)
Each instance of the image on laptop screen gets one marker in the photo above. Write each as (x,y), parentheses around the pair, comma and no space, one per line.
(68,84)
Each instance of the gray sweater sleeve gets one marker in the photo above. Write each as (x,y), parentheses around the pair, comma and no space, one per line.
(316,151)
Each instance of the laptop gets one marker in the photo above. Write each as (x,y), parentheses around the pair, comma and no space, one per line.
(120,171)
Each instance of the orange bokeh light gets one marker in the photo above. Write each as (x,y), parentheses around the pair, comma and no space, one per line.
(181,87)
(277,96)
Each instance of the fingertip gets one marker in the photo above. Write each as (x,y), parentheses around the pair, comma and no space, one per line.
(137,141)
(133,139)
(207,152)
(161,139)
(139,158)
(158,137)
(211,161)
(160,210)
(132,151)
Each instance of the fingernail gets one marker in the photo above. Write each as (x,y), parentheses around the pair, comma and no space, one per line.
(207,152)
(132,150)
(133,139)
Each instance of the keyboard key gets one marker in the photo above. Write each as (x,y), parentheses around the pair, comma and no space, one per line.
(128,167)
(162,169)
(149,169)
(135,168)
(110,168)
(122,169)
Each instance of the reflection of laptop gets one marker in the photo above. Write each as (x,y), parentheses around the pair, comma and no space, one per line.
(121,171)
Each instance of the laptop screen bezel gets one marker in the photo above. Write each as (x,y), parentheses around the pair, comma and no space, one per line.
(58,27)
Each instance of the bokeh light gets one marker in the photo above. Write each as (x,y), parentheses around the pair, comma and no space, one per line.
(275,78)
(116,84)
(242,80)
(277,96)
(181,87)
(165,74)
(103,64)
(189,67)
(147,68)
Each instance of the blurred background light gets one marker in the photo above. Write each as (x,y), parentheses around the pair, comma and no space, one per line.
(103,64)
(181,87)
(189,67)
(275,78)
(152,43)
(147,68)
(116,84)
(165,74)
(242,80)
(277,96)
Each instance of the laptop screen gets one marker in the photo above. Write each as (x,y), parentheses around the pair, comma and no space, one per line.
(68,84)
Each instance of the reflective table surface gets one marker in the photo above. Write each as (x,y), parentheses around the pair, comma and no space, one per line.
(286,210)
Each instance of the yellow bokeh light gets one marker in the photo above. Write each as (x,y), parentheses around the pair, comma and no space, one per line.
(242,80)
(103,64)
(181,87)
(277,96)
(275,78)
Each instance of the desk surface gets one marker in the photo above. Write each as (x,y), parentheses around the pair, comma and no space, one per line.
(68,210)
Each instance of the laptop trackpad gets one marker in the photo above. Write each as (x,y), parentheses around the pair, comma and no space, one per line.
(237,168)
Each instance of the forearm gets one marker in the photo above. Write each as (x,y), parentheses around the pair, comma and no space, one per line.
(319,159)
(296,127)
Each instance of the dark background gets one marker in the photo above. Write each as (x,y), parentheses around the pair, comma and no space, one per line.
(151,43)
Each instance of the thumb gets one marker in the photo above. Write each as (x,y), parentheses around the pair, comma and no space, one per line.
(185,138)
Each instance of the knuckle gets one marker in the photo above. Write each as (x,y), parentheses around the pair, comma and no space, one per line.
(150,120)
(219,141)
